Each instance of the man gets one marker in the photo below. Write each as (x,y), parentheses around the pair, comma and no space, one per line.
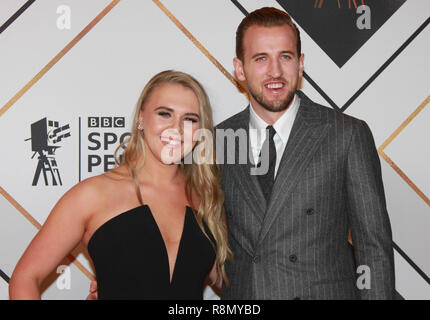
(288,227)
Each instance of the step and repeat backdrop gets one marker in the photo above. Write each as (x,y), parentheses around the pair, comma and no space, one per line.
(71,72)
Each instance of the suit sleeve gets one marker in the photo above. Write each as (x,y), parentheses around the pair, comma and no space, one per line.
(367,214)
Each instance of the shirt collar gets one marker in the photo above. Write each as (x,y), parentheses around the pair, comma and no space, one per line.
(283,125)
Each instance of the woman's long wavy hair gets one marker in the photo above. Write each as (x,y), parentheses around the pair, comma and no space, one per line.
(202,179)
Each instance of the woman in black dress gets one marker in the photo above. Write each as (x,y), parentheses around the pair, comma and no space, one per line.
(154,226)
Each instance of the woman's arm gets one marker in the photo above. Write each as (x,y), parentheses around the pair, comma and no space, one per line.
(62,232)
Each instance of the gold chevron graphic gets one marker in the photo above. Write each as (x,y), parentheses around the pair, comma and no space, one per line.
(391,162)
(57,58)
(199,46)
(27,87)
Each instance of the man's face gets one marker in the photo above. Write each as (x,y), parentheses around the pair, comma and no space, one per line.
(271,66)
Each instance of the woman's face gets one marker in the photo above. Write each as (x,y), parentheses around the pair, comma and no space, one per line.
(169,118)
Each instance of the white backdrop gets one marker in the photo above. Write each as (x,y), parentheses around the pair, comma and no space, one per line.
(97,68)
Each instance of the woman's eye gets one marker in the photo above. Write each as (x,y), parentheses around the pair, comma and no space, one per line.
(164,114)
(193,120)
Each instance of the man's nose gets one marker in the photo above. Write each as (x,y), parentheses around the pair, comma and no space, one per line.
(275,70)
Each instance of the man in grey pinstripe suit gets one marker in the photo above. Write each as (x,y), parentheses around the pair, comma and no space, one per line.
(288,227)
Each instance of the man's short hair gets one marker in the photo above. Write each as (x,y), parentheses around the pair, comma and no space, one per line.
(265,17)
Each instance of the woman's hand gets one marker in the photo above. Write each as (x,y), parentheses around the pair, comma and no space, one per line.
(93,291)
(215,280)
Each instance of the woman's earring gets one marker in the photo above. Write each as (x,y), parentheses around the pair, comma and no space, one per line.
(140,128)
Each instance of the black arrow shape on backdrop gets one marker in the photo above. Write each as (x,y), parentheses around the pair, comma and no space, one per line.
(368,82)
(333,24)
(16,15)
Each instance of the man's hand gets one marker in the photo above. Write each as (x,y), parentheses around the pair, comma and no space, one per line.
(93,291)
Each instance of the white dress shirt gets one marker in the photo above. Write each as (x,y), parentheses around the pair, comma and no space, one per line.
(283,126)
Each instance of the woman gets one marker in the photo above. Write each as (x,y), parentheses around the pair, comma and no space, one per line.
(137,220)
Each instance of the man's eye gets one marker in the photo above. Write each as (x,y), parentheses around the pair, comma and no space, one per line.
(287,57)
(260,59)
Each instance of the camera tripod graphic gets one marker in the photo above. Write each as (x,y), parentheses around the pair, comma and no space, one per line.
(45,135)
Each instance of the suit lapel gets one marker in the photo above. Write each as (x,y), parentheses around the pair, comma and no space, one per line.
(308,130)
(251,188)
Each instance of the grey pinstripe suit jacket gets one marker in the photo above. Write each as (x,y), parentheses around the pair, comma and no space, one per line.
(295,246)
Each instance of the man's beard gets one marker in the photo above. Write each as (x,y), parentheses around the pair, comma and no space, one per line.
(271,107)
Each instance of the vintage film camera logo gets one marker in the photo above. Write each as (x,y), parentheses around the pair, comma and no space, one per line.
(46,136)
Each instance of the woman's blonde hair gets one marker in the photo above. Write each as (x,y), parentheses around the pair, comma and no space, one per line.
(203,179)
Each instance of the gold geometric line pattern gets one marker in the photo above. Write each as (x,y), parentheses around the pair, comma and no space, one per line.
(391,162)
(51,63)
(34,222)
(405,177)
(199,46)
(21,92)
(405,123)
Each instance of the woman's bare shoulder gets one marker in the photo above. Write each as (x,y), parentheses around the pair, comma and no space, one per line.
(90,187)
(91,193)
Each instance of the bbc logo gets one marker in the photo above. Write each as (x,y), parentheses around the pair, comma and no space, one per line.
(106,122)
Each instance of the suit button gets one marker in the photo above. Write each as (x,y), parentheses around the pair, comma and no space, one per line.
(293,258)
(296,298)
(310,211)
(256,259)
(229,214)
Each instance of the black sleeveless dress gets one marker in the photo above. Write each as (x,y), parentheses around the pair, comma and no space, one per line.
(131,261)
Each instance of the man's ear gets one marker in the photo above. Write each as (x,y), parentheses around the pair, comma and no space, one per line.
(301,64)
(238,69)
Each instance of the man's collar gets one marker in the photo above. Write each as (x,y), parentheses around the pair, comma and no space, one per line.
(283,125)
